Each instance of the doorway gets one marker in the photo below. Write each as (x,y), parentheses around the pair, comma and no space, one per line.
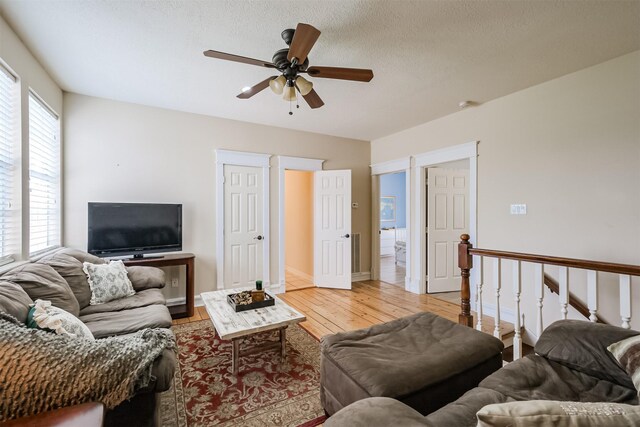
(468,154)
(299,243)
(447,217)
(331,219)
(242,219)
(392,230)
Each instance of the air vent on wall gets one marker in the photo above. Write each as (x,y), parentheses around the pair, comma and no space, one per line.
(355,253)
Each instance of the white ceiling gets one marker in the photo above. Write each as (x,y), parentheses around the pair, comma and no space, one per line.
(426,55)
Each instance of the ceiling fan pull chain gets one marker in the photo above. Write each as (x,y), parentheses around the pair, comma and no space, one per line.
(290,112)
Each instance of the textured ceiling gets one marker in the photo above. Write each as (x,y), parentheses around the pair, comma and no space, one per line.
(426,55)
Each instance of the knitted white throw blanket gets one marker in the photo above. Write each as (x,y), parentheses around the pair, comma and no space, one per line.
(41,371)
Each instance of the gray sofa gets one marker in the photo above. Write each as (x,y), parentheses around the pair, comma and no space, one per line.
(571,364)
(59,277)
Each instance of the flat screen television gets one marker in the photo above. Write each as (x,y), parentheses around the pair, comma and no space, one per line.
(118,229)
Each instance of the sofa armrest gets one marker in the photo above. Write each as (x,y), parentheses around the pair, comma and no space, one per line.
(146,277)
(162,373)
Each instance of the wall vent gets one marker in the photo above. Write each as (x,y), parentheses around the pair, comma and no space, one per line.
(355,253)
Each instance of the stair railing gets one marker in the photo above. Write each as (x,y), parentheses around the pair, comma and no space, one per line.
(466,252)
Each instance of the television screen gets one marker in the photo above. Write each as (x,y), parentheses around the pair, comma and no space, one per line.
(134,228)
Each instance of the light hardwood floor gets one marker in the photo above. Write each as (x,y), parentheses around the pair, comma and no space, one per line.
(390,272)
(294,282)
(367,303)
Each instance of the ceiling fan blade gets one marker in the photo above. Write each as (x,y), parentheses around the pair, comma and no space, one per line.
(246,94)
(237,58)
(304,38)
(313,99)
(357,74)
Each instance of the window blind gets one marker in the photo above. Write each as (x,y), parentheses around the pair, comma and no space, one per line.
(44,177)
(9,212)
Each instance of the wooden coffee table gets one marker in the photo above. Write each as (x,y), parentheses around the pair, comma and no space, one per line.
(234,326)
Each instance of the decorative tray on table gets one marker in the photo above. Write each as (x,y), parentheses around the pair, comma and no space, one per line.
(242,301)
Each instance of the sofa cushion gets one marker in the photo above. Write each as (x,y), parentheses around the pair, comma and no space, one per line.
(558,414)
(377,412)
(70,268)
(127,321)
(390,359)
(140,299)
(146,277)
(14,300)
(462,412)
(41,281)
(582,346)
(537,378)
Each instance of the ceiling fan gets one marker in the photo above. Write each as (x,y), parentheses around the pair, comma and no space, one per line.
(290,63)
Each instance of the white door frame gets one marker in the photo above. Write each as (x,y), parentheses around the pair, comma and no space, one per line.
(241,158)
(391,166)
(421,161)
(290,163)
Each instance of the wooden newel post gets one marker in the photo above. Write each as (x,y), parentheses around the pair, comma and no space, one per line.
(465,262)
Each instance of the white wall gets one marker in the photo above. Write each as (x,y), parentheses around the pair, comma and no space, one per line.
(116,151)
(568,148)
(15,56)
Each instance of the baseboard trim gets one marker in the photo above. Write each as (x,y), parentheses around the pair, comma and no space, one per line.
(361,276)
(183,300)
(412,286)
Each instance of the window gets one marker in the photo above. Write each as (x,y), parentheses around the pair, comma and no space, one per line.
(9,212)
(44,177)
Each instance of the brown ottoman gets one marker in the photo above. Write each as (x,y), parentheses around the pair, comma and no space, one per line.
(423,360)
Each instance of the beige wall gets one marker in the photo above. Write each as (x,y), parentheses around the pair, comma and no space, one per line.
(116,151)
(298,208)
(15,56)
(568,148)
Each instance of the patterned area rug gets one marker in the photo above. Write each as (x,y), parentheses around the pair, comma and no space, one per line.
(265,392)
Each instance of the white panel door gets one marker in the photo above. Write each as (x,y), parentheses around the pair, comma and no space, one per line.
(448,218)
(332,229)
(243,225)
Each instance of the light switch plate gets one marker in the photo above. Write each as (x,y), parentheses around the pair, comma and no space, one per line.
(519,209)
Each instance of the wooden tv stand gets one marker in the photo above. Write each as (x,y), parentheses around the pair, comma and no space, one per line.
(186,259)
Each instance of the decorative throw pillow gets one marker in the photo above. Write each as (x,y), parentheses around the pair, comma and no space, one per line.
(45,316)
(558,414)
(107,281)
(627,353)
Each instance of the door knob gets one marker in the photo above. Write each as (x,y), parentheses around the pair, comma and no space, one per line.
(346,236)
(258,238)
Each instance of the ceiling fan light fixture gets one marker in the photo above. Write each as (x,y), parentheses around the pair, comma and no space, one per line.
(289,93)
(277,84)
(304,85)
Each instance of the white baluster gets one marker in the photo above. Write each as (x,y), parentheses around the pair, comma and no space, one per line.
(479,295)
(625,300)
(564,292)
(517,288)
(497,284)
(539,289)
(592,295)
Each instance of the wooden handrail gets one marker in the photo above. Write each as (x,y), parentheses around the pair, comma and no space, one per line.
(465,263)
(574,302)
(609,267)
